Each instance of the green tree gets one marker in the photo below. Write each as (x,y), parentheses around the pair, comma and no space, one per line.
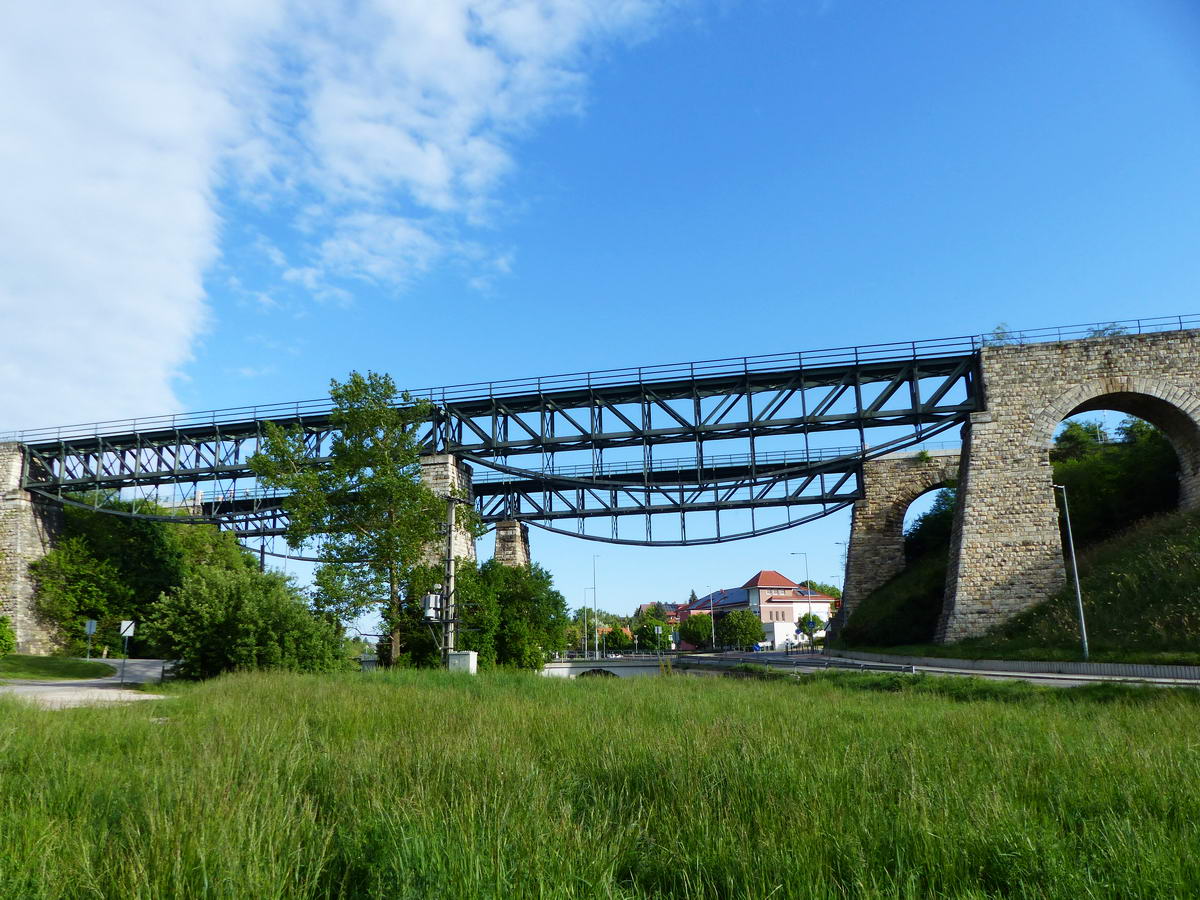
(930,532)
(741,628)
(808,625)
(616,640)
(1078,439)
(72,586)
(221,620)
(697,630)
(532,614)
(651,640)
(366,499)
(829,590)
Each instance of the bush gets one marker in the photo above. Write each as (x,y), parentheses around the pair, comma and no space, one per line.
(223,620)
(8,638)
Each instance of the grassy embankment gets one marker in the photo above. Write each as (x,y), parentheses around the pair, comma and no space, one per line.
(510,786)
(51,668)
(1141,597)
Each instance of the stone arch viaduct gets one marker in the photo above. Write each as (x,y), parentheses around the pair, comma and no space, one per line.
(1007,399)
(1006,552)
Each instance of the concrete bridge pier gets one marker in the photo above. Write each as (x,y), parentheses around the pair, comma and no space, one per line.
(28,527)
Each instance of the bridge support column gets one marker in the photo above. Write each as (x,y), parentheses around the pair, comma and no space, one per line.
(1005,549)
(875,553)
(512,544)
(28,527)
(444,474)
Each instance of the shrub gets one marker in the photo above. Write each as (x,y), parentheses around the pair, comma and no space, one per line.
(8,638)
(222,620)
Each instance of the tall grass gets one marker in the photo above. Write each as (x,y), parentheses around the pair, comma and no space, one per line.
(507,785)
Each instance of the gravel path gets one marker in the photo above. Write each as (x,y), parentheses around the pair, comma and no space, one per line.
(89,691)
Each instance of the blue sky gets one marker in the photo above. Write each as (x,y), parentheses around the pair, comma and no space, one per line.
(233,207)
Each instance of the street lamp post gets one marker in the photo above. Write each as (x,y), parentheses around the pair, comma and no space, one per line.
(595,604)
(1075,571)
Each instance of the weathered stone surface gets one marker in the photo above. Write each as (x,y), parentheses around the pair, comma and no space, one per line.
(890,485)
(445,475)
(1005,552)
(27,528)
(512,544)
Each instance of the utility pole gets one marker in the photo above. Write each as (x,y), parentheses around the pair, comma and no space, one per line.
(449,611)
(595,605)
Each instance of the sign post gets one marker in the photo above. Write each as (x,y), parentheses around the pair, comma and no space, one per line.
(90,628)
(127,628)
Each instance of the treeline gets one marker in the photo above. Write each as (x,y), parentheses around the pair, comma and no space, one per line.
(1112,480)
(194,592)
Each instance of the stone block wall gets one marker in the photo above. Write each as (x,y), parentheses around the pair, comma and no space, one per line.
(875,553)
(28,527)
(445,474)
(512,544)
(1006,554)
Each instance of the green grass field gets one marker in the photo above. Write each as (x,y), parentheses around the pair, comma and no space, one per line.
(51,668)
(510,785)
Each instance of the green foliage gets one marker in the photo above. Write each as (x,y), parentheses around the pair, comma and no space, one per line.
(829,590)
(510,615)
(366,501)
(73,585)
(8,637)
(930,532)
(615,640)
(905,610)
(741,628)
(697,630)
(808,625)
(651,640)
(222,620)
(1114,485)
(1139,594)
(109,567)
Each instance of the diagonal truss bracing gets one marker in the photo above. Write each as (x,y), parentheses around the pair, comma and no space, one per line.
(557,452)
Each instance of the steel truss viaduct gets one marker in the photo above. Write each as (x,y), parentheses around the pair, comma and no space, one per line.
(679,447)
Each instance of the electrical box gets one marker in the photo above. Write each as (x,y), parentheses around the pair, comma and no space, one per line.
(464,661)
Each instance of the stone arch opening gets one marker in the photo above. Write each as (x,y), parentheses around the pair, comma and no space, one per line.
(1174,412)
(891,485)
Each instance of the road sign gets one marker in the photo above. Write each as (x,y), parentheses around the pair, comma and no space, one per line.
(90,627)
(658,629)
(127,628)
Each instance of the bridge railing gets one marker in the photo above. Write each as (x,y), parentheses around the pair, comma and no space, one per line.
(640,375)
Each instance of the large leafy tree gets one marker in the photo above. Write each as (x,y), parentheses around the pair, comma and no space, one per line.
(697,630)
(740,628)
(366,500)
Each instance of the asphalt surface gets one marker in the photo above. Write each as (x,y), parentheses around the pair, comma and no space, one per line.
(90,691)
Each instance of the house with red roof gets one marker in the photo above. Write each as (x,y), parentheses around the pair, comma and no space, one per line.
(777,600)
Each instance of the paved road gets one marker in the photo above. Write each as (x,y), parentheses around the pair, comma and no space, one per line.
(90,691)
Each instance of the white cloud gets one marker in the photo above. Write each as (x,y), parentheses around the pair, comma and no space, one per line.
(386,124)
